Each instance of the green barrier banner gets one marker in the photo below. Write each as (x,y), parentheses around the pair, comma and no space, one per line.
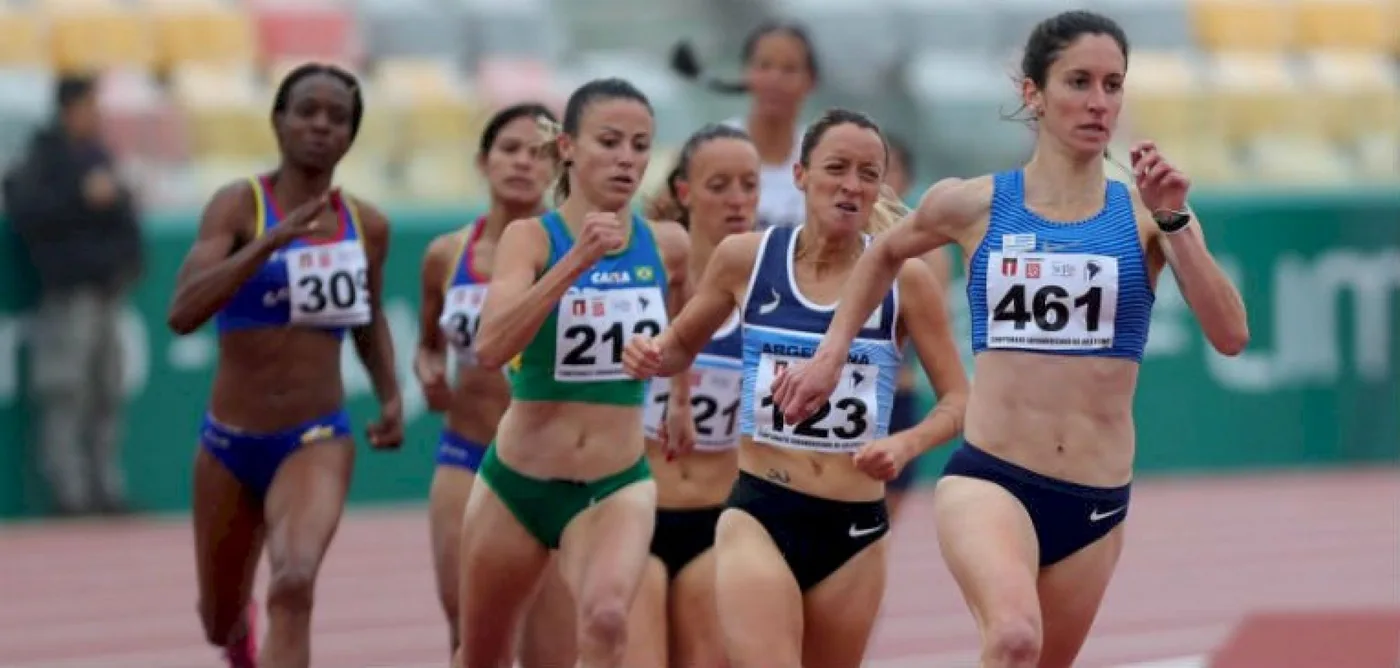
(1317,385)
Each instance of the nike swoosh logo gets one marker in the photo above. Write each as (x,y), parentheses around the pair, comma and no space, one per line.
(765,309)
(857,533)
(1095,515)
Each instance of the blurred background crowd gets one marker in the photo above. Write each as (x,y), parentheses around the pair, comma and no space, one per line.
(118,118)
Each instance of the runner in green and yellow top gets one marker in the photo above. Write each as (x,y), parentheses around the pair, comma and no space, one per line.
(567,470)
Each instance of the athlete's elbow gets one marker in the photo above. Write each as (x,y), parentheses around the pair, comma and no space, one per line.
(1231,340)
(492,350)
(1228,333)
(181,321)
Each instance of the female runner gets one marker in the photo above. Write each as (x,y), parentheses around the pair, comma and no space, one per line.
(286,265)
(456,270)
(800,561)
(1063,266)
(715,189)
(780,72)
(567,470)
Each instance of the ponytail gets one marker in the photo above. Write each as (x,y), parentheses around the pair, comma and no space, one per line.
(889,211)
(549,134)
(665,203)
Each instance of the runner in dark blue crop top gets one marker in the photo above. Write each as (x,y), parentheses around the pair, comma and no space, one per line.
(1062,268)
(285,265)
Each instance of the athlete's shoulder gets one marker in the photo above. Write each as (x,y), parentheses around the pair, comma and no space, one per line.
(739,247)
(238,193)
(963,197)
(449,243)
(669,232)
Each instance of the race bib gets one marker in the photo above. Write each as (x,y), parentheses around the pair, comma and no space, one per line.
(1054,301)
(716,384)
(461,318)
(329,285)
(594,326)
(844,423)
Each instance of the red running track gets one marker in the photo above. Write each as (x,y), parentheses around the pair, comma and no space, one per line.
(1201,554)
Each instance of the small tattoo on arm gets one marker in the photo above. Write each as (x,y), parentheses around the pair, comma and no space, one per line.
(778,476)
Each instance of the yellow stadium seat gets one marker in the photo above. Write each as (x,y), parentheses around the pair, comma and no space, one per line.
(1299,162)
(1259,94)
(1166,98)
(444,176)
(1206,160)
(23,40)
(227,111)
(421,79)
(1357,93)
(1242,25)
(1361,25)
(98,36)
(202,33)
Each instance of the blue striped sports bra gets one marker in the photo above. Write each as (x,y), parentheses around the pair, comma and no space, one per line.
(1078,288)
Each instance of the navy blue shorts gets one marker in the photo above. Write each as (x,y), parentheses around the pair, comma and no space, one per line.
(254,458)
(902,417)
(1067,517)
(457,450)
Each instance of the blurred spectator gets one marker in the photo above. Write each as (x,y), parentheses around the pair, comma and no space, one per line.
(78,225)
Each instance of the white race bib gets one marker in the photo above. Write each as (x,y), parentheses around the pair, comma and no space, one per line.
(716,385)
(329,285)
(594,326)
(461,318)
(1051,301)
(843,424)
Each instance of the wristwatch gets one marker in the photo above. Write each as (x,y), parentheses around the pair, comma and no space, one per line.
(1171,221)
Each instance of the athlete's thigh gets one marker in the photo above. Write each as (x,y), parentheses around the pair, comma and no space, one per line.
(647,630)
(840,611)
(756,596)
(604,548)
(500,564)
(696,641)
(228,539)
(990,547)
(447,500)
(305,502)
(547,635)
(1070,594)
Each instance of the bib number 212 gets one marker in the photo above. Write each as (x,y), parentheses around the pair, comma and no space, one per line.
(583,338)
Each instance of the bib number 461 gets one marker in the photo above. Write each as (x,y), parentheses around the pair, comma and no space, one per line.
(1049,308)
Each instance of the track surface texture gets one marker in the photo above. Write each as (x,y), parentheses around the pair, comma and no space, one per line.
(1202,554)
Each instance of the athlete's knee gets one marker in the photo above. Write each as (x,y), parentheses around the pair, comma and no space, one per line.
(292,585)
(605,622)
(1013,642)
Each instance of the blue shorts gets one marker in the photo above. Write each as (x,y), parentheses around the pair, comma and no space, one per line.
(455,450)
(901,418)
(254,458)
(1067,517)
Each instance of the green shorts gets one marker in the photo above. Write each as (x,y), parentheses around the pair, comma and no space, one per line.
(545,507)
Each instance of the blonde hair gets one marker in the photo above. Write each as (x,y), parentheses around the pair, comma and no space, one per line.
(889,211)
(549,134)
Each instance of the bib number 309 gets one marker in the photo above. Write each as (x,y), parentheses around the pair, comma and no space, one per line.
(329,285)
